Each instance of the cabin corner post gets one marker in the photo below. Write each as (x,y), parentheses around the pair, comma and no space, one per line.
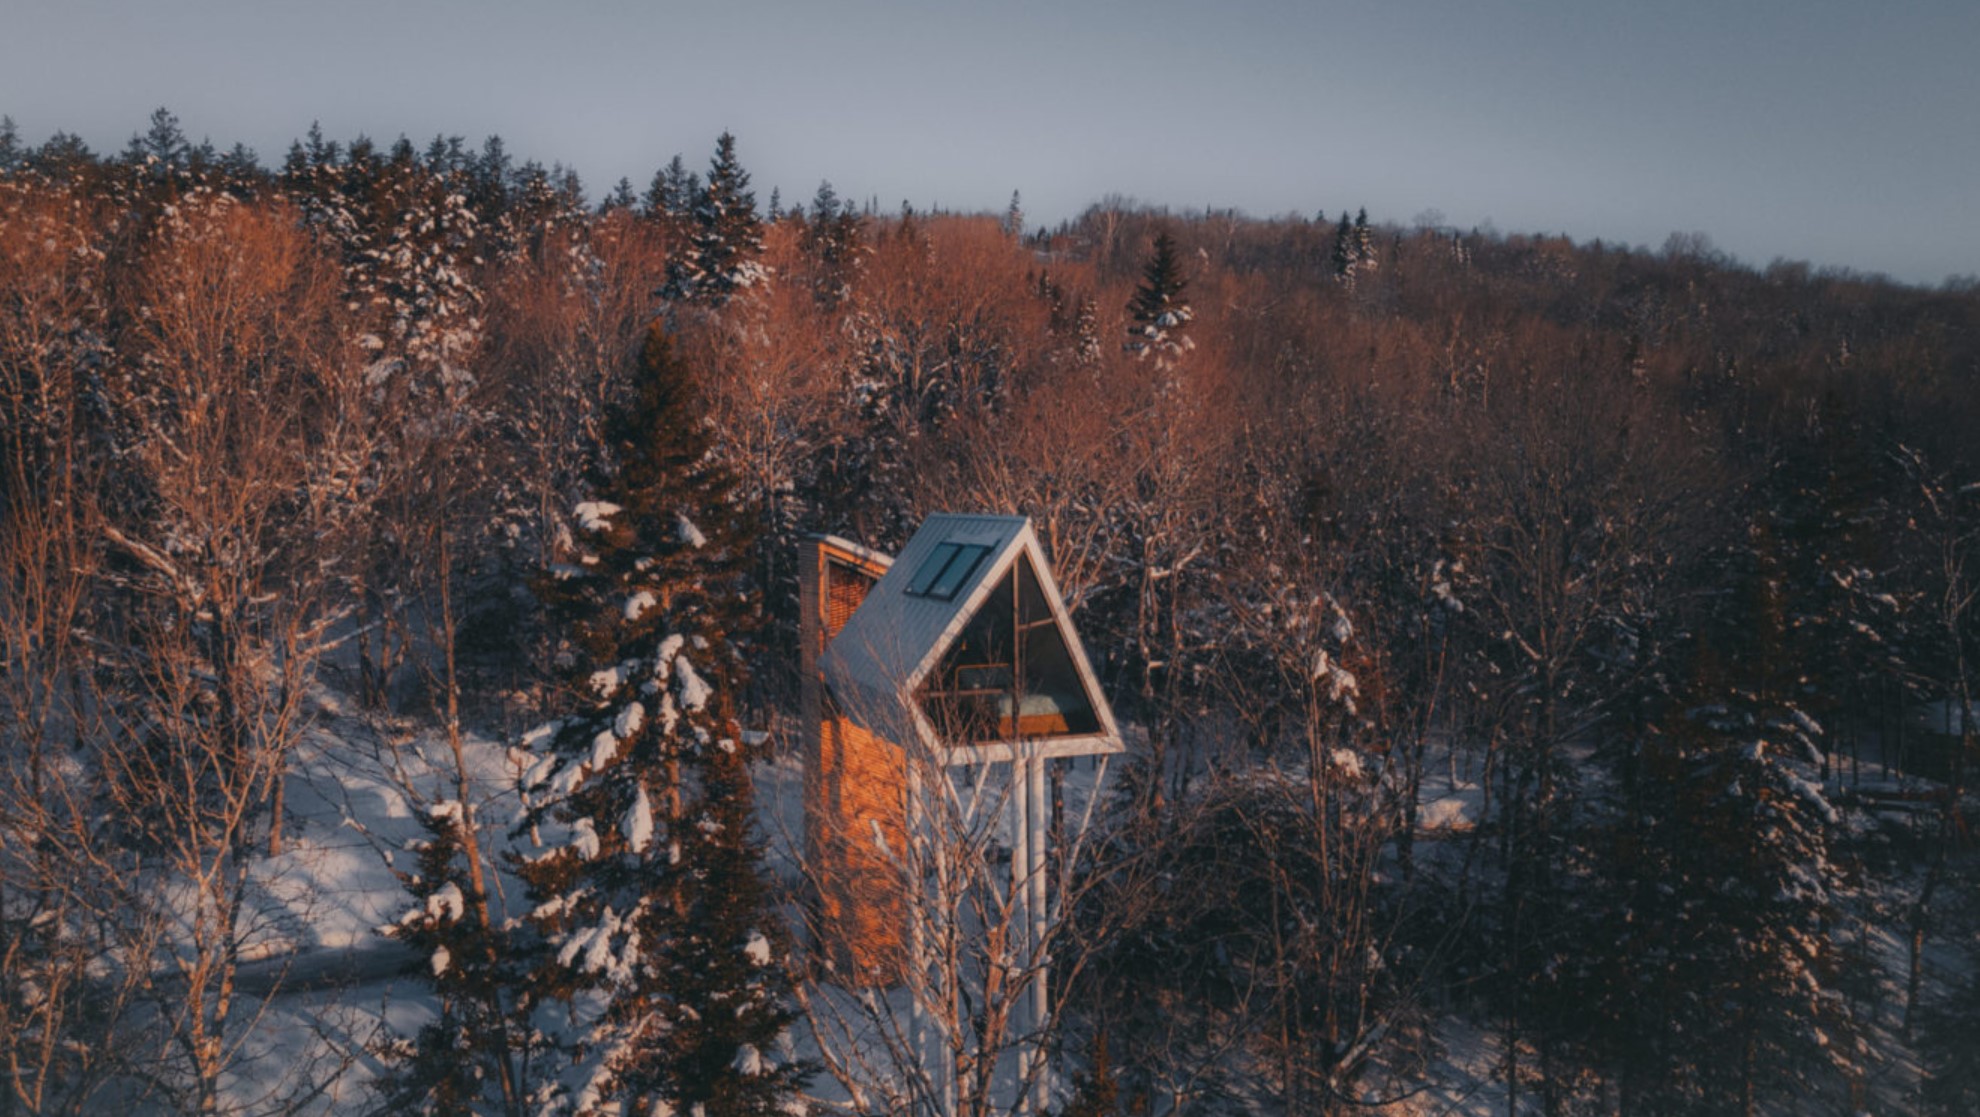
(811,708)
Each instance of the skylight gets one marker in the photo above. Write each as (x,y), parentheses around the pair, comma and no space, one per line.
(946,570)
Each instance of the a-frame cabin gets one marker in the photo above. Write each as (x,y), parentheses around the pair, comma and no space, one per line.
(960,651)
(966,630)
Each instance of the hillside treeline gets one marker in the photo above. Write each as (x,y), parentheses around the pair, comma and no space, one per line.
(1538,634)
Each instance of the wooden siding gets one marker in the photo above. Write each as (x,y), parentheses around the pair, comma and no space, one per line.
(854,786)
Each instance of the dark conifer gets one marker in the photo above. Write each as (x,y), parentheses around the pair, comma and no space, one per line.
(1158,314)
(727,237)
(1364,243)
(1344,257)
(1722,983)
(824,203)
(1086,331)
(832,238)
(321,152)
(163,145)
(673,192)
(621,197)
(63,157)
(447,154)
(241,164)
(648,896)
(489,179)
(474,1056)
(1054,298)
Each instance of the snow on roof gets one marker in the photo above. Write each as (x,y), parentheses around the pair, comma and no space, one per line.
(876,665)
(864,554)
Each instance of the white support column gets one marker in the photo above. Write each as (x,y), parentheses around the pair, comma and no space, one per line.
(1038,813)
(917,921)
(1018,937)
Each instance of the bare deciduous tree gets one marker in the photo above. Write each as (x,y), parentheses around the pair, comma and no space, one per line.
(220,551)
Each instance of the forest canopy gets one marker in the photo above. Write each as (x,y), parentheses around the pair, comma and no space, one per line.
(1516,630)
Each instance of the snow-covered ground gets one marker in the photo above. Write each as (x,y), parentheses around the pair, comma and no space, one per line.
(331,988)
(324,985)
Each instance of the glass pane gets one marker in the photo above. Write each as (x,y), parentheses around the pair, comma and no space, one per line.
(1032,607)
(969,695)
(1010,673)
(959,569)
(932,569)
(1054,701)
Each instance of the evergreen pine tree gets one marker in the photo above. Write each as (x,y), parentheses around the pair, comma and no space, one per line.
(621,197)
(1723,986)
(11,152)
(1086,331)
(1749,968)
(1343,257)
(824,203)
(728,995)
(1364,243)
(475,1056)
(162,152)
(408,239)
(490,177)
(321,152)
(1014,218)
(202,156)
(295,165)
(1054,298)
(64,157)
(832,238)
(727,237)
(647,895)
(673,192)
(1158,314)
(446,155)
(242,165)
(569,184)
(776,205)
(164,144)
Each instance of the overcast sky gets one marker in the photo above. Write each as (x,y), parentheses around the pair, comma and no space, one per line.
(1837,132)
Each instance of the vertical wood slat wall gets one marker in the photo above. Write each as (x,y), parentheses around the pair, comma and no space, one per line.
(855,785)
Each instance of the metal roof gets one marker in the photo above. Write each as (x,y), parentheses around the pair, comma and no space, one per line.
(877,663)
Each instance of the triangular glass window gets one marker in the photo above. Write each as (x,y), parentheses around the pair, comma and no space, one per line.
(1053,699)
(1011,658)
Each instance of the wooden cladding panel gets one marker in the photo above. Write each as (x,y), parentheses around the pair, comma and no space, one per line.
(858,832)
(855,791)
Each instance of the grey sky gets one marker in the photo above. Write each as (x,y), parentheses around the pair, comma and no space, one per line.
(1841,133)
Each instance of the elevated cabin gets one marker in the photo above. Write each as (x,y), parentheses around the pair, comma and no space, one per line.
(957,651)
